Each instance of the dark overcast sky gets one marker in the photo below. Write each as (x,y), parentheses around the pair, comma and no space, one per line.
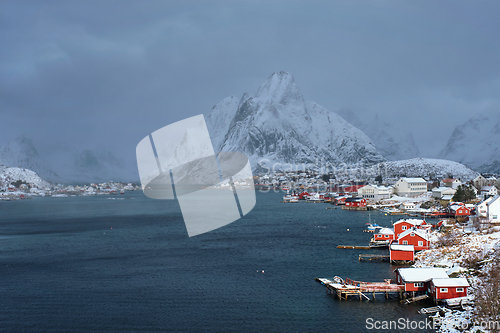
(110,72)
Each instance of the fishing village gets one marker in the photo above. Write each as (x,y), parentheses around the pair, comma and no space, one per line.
(443,243)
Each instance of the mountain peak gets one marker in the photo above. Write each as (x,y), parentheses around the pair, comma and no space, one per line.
(280,88)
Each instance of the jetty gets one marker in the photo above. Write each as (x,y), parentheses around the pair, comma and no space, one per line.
(372,257)
(347,287)
(359,247)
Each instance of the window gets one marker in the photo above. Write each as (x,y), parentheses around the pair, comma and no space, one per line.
(412,234)
(420,243)
(460,290)
(405,242)
(403,228)
(386,236)
(494,217)
(418,284)
(443,290)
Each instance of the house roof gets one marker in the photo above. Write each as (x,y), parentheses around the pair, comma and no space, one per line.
(414,180)
(418,232)
(493,200)
(397,247)
(422,274)
(450,282)
(487,188)
(448,180)
(410,221)
(386,231)
(447,197)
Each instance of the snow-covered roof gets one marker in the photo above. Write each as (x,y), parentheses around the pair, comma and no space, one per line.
(422,274)
(450,282)
(493,200)
(418,232)
(413,180)
(447,197)
(410,221)
(397,247)
(487,188)
(386,231)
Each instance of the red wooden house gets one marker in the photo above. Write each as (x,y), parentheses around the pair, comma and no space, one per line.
(401,252)
(418,238)
(401,226)
(304,195)
(446,288)
(458,210)
(355,202)
(384,234)
(418,279)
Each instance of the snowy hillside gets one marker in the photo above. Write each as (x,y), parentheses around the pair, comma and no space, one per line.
(476,143)
(21,152)
(421,167)
(276,125)
(393,142)
(89,165)
(66,164)
(10,175)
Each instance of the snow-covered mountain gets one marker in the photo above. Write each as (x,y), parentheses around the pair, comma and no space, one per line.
(10,175)
(476,143)
(21,152)
(393,142)
(66,164)
(422,167)
(88,165)
(276,125)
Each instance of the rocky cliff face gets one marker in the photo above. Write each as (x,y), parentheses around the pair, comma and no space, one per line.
(276,126)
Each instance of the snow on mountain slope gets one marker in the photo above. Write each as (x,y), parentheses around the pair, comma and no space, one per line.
(476,143)
(21,152)
(10,175)
(394,143)
(276,125)
(421,167)
(88,165)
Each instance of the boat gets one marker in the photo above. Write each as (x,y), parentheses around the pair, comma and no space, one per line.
(384,243)
(373,226)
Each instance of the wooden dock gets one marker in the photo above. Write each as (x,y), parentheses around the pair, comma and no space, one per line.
(344,288)
(372,257)
(353,247)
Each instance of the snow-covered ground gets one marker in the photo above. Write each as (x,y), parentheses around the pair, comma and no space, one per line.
(477,247)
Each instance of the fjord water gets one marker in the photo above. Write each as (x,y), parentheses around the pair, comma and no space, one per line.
(125,264)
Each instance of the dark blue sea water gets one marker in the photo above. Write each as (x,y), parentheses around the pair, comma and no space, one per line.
(91,264)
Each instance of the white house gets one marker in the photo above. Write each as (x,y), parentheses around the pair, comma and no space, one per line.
(374,192)
(450,182)
(489,191)
(489,209)
(439,192)
(410,187)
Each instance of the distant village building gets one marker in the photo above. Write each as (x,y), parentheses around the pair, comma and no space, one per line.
(374,192)
(439,192)
(488,210)
(450,182)
(488,191)
(479,182)
(410,187)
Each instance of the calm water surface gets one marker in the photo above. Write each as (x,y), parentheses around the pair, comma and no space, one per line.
(96,264)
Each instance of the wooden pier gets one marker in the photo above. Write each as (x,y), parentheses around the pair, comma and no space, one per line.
(372,257)
(353,247)
(344,288)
